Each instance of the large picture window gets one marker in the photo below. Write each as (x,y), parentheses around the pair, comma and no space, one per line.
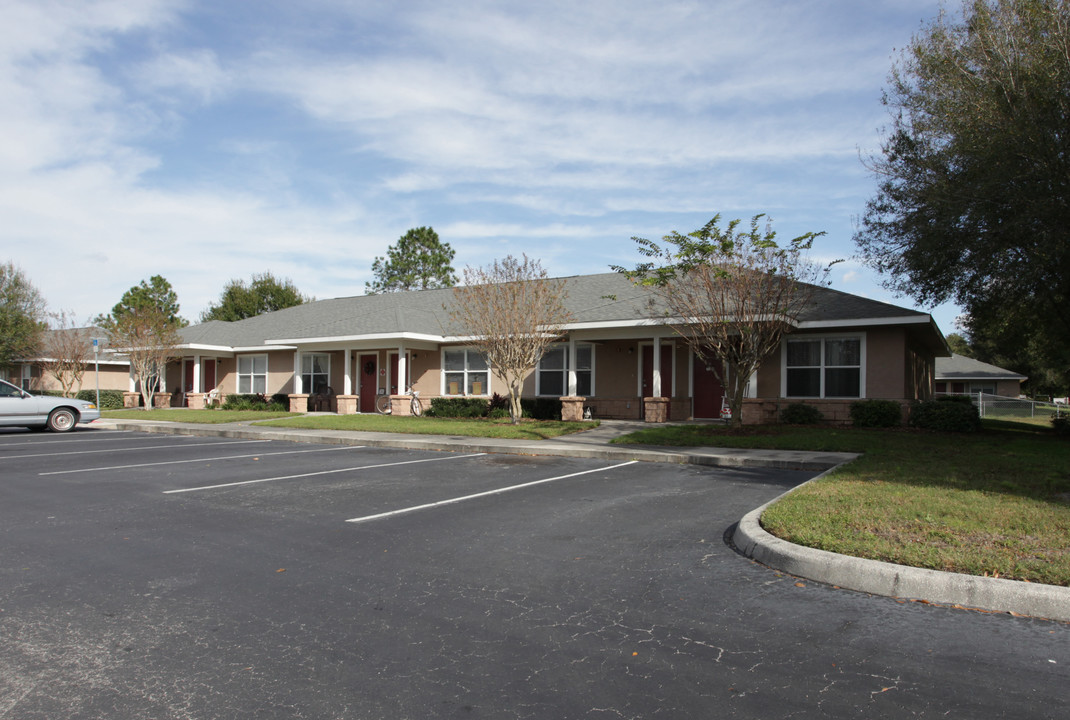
(252,374)
(828,367)
(553,371)
(315,373)
(465,372)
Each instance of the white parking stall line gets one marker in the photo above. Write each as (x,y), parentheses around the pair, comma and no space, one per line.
(149,447)
(499,491)
(321,472)
(197,460)
(52,439)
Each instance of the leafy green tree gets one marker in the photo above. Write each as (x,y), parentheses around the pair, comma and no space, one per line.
(265,293)
(959,345)
(973,201)
(22,315)
(739,290)
(419,261)
(157,293)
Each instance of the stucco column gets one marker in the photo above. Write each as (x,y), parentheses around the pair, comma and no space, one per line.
(655,388)
(572,367)
(298,390)
(403,372)
(198,376)
(347,383)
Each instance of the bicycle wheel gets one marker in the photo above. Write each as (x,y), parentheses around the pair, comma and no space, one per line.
(382,404)
(414,407)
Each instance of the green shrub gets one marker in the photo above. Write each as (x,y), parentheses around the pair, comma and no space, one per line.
(499,413)
(541,408)
(458,407)
(876,413)
(964,399)
(1060,424)
(256,402)
(801,414)
(109,399)
(945,416)
(281,400)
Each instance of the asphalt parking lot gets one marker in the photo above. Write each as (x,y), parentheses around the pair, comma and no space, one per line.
(149,576)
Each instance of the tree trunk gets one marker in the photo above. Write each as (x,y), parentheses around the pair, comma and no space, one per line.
(515,411)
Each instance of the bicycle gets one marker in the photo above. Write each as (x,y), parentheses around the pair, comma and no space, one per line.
(382,404)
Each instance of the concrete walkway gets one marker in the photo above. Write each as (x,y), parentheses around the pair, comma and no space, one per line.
(869,576)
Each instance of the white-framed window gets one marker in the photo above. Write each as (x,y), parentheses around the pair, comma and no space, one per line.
(252,374)
(824,366)
(465,372)
(315,372)
(552,373)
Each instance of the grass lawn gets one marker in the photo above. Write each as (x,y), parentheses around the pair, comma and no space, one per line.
(996,502)
(208,417)
(468,427)
(473,427)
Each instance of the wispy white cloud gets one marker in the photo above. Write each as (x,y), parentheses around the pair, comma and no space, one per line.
(152,139)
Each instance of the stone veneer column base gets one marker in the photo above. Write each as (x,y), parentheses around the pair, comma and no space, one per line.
(298,403)
(656,409)
(572,408)
(348,404)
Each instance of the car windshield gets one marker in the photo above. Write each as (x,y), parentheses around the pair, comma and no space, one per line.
(9,390)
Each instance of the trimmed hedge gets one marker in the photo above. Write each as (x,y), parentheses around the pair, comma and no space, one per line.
(256,401)
(1061,424)
(541,408)
(876,414)
(801,414)
(109,399)
(945,416)
(458,407)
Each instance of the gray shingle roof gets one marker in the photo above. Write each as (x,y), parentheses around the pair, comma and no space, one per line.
(603,298)
(960,367)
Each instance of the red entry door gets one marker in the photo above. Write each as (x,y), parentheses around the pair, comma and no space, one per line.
(368,383)
(708,391)
(208,368)
(666,370)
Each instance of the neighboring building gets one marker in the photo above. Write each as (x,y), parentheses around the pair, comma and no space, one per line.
(617,353)
(960,375)
(114,371)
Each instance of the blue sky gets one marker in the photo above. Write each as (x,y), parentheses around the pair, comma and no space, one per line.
(205,140)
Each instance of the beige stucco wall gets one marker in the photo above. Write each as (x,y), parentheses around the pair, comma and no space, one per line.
(112,377)
(895,369)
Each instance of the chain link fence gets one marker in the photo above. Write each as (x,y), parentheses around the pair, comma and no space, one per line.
(997,407)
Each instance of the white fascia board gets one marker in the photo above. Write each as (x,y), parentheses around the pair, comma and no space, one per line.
(261,348)
(902,320)
(375,337)
(221,349)
(609,324)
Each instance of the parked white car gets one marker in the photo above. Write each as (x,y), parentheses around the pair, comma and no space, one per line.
(21,409)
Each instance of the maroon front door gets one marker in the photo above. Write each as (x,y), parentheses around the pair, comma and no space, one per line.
(666,370)
(368,384)
(209,375)
(208,366)
(708,391)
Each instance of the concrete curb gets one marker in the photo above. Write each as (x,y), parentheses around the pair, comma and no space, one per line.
(720,457)
(898,581)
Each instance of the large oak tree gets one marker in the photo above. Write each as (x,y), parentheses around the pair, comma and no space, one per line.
(973,202)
